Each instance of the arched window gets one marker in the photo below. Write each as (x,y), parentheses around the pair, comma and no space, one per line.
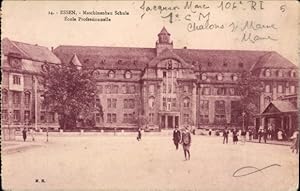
(292,89)
(204,76)
(219,77)
(96,73)
(186,102)
(27,98)
(151,89)
(293,74)
(234,77)
(127,74)
(151,102)
(267,73)
(111,74)
(279,73)
(267,100)
(268,88)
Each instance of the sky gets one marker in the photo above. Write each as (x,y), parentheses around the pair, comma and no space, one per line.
(32,22)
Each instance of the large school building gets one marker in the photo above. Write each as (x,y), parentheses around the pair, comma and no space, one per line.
(167,86)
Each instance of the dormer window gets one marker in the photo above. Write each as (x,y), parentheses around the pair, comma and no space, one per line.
(96,73)
(293,73)
(204,76)
(225,63)
(234,77)
(111,74)
(267,73)
(219,77)
(209,63)
(164,74)
(279,73)
(119,61)
(128,74)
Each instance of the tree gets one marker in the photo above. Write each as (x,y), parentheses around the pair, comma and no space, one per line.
(69,91)
(249,88)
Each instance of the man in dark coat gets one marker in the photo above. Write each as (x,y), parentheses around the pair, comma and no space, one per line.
(176,137)
(139,136)
(186,141)
(225,136)
(24,132)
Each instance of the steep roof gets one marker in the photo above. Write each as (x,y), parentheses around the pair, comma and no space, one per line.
(284,106)
(280,106)
(107,57)
(273,60)
(138,58)
(164,31)
(220,60)
(28,51)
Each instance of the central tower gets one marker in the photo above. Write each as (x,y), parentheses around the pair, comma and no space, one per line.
(164,41)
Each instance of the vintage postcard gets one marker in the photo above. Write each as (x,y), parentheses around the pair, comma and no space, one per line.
(150,95)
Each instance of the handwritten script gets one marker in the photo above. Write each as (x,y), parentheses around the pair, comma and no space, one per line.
(201,16)
(239,172)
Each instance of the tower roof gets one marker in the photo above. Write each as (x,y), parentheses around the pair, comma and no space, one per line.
(164,31)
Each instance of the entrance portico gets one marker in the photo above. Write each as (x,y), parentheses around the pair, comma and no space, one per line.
(279,115)
(169,120)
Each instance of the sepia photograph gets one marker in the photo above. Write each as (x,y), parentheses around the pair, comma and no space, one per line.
(150,95)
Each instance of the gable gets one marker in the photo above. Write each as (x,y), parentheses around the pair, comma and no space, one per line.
(271,109)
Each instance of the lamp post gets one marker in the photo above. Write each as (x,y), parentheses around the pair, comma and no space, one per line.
(243,114)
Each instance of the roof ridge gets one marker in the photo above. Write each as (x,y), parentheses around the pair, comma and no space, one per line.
(22,51)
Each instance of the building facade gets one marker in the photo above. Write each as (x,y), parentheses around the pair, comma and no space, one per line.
(164,87)
(22,94)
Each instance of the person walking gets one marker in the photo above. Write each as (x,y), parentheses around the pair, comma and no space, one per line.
(260,134)
(250,134)
(295,142)
(176,137)
(225,136)
(279,135)
(265,135)
(186,141)
(235,136)
(24,133)
(139,136)
(209,132)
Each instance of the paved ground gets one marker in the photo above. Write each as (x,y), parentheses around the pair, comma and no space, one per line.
(122,163)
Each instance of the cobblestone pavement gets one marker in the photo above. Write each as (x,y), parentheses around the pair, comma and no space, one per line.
(123,163)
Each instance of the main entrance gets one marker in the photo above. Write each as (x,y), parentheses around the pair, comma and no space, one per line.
(169,121)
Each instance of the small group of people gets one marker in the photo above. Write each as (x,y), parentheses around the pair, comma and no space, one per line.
(234,136)
(183,137)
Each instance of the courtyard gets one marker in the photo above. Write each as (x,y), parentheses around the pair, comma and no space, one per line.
(107,162)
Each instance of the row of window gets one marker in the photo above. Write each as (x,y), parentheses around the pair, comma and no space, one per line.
(218,91)
(16,79)
(112,103)
(279,73)
(16,97)
(280,89)
(115,89)
(220,111)
(16,116)
(112,74)
(219,77)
